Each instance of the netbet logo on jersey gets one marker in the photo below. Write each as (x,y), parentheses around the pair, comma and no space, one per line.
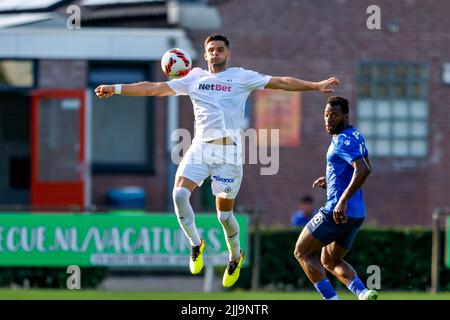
(214,87)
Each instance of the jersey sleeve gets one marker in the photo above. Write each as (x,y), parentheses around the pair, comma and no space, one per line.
(181,86)
(350,149)
(255,80)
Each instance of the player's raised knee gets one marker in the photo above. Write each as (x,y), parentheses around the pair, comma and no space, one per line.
(180,195)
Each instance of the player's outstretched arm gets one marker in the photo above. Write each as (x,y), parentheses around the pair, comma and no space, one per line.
(139,89)
(293,84)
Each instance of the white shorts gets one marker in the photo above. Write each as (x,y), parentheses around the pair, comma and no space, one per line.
(222,162)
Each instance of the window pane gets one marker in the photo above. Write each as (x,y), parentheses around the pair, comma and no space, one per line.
(383,73)
(383,109)
(419,129)
(383,129)
(370,145)
(400,129)
(419,109)
(418,71)
(16,73)
(418,148)
(400,90)
(113,73)
(59,144)
(365,109)
(365,71)
(382,90)
(393,114)
(400,108)
(418,90)
(400,148)
(365,90)
(382,147)
(401,73)
(119,134)
(366,128)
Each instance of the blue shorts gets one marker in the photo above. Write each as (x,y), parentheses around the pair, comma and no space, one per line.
(324,229)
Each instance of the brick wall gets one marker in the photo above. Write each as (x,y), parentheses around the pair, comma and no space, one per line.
(316,39)
(62,74)
(313,40)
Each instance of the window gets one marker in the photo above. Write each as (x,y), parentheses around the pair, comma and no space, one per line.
(393,108)
(16,74)
(122,136)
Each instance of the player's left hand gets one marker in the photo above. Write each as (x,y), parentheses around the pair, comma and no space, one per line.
(339,215)
(324,86)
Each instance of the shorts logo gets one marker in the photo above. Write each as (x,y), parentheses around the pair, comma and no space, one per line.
(316,221)
(220,179)
(227,190)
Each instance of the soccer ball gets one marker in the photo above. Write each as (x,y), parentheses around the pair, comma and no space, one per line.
(176,63)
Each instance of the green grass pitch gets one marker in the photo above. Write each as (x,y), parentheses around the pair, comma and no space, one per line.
(44,294)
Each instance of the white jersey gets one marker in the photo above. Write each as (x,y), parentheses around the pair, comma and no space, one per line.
(219,100)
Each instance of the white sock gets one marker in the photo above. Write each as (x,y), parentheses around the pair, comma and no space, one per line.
(334,298)
(231,230)
(185,214)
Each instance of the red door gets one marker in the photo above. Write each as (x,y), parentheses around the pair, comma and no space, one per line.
(58,162)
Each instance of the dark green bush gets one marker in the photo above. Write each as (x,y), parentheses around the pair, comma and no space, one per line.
(403,255)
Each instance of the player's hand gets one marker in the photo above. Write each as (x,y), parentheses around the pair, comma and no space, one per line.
(320,183)
(339,215)
(104,91)
(324,86)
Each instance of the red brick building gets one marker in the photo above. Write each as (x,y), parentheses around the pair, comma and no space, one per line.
(395,79)
(314,40)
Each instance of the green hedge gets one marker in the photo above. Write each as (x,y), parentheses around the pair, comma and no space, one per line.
(49,277)
(403,255)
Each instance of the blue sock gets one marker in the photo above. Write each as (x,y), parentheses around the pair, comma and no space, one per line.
(325,289)
(356,286)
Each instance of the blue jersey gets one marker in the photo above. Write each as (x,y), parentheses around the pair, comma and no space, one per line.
(345,148)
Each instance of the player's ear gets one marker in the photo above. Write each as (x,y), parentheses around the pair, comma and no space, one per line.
(204,56)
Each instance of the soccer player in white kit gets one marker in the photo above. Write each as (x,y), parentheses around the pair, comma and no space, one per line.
(218,96)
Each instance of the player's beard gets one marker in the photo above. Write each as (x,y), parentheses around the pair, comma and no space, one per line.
(219,64)
(339,127)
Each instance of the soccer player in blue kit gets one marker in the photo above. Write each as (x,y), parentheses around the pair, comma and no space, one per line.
(332,230)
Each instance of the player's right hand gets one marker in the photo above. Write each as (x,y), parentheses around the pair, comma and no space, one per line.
(339,215)
(320,182)
(104,91)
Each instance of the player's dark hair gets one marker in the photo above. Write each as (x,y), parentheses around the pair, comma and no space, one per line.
(217,37)
(307,199)
(339,101)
